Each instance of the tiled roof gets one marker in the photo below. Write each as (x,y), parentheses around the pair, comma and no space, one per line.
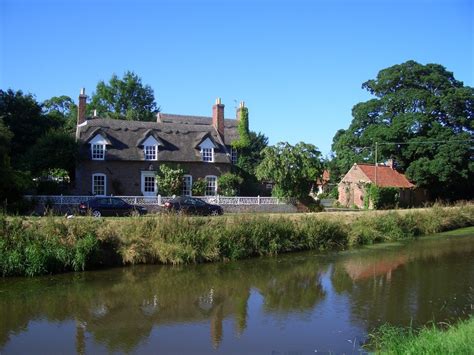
(325,179)
(179,134)
(386,176)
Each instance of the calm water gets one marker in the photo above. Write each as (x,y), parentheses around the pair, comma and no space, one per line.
(294,304)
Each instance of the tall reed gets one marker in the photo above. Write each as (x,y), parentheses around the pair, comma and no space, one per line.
(50,245)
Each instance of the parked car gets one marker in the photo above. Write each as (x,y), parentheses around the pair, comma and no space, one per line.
(109,206)
(192,205)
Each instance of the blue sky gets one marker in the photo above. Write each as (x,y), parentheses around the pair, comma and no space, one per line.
(298,65)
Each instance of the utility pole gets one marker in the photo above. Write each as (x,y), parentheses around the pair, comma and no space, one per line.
(376,147)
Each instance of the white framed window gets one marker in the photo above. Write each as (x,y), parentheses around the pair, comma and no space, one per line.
(233,155)
(98,151)
(149,186)
(187,185)
(207,151)
(99,184)
(211,185)
(151,152)
(98,144)
(207,154)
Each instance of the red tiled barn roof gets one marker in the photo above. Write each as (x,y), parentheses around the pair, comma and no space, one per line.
(325,178)
(386,176)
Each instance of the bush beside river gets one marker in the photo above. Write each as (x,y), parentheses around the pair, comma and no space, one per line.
(35,246)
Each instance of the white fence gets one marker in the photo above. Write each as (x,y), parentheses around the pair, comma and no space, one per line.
(160,200)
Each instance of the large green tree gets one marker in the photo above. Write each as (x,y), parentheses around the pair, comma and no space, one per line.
(248,158)
(124,98)
(54,150)
(293,169)
(63,109)
(423,118)
(23,116)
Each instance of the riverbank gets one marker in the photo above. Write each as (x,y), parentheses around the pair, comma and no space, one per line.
(456,339)
(53,245)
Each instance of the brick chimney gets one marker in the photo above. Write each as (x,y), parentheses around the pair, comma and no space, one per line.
(218,117)
(81,110)
(239,110)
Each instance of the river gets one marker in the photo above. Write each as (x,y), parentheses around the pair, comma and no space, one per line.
(298,303)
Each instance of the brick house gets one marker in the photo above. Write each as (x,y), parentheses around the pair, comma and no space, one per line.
(121,157)
(352,186)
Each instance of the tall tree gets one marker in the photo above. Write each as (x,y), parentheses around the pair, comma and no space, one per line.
(124,98)
(427,111)
(63,109)
(54,150)
(293,169)
(23,116)
(248,158)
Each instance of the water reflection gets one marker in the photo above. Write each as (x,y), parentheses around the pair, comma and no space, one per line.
(121,309)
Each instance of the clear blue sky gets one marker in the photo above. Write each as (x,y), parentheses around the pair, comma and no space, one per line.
(298,65)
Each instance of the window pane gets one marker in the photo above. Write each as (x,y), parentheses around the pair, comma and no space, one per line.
(151,152)
(207,154)
(211,185)
(98,184)
(150,184)
(98,151)
(233,155)
(187,185)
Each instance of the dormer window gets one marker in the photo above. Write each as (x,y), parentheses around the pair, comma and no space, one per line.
(151,152)
(150,148)
(207,154)
(98,144)
(207,151)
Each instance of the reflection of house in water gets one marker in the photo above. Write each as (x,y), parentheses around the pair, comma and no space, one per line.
(359,269)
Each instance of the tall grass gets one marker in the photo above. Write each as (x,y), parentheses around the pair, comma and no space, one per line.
(50,244)
(457,339)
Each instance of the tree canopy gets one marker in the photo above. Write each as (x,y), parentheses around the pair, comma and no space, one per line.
(293,169)
(423,118)
(124,98)
(23,116)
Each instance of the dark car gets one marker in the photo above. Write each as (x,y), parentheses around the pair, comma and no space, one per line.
(192,205)
(110,206)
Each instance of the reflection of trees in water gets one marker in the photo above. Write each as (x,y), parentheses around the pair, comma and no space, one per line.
(409,283)
(120,307)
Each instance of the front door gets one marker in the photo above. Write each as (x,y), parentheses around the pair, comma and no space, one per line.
(149,187)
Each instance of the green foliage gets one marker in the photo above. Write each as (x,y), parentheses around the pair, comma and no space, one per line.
(248,158)
(415,104)
(23,116)
(244,140)
(456,339)
(199,187)
(49,248)
(124,98)
(54,150)
(169,180)
(293,169)
(63,109)
(379,197)
(50,245)
(228,184)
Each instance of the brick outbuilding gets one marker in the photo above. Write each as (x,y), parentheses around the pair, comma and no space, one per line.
(352,188)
